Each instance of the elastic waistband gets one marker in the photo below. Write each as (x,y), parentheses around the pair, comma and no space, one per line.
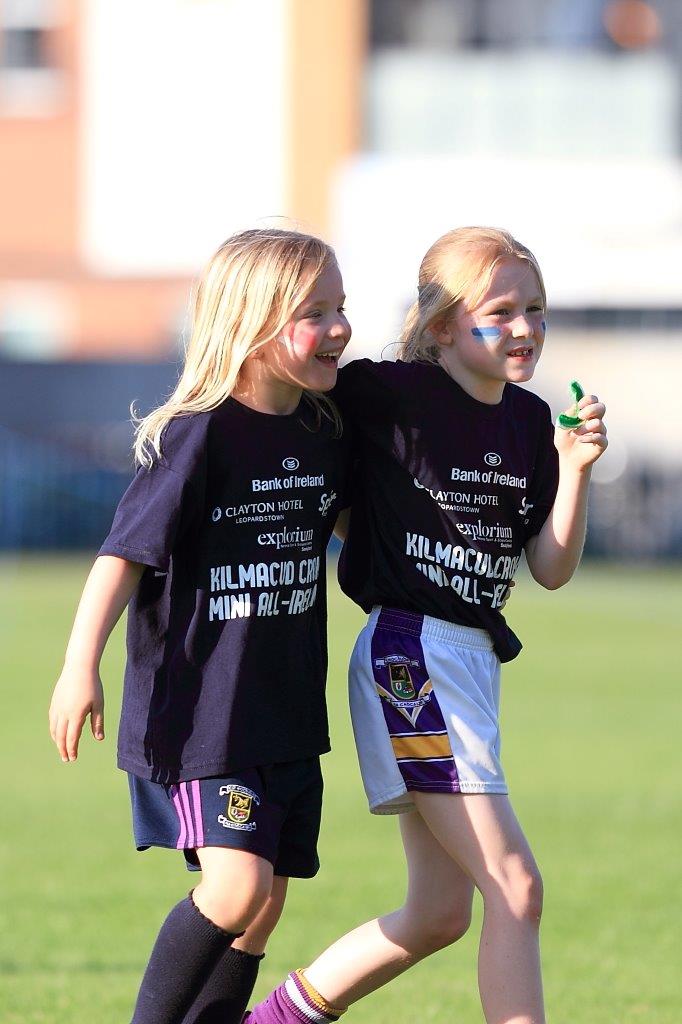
(430,628)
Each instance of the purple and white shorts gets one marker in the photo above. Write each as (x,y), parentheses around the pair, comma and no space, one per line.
(424,698)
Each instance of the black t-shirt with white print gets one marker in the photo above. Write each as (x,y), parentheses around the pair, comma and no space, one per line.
(227,653)
(447,490)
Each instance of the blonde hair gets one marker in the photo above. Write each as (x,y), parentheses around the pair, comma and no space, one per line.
(457,268)
(247,293)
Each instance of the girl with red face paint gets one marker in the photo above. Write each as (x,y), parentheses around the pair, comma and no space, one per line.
(218,546)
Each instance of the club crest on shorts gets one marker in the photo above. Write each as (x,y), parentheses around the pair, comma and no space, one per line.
(403,695)
(399,674)
(240,804)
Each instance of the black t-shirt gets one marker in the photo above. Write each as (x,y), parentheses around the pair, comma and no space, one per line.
(227,652)
(447,491)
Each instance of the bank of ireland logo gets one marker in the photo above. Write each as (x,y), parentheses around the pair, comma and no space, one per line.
(492,459)
(290,464)
(240,805)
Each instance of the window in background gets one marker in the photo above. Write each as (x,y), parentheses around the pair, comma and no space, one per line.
(550,78)
(31,83)
(593,24)
(23,48)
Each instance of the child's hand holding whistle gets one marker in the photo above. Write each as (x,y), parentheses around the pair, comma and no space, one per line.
(581,433)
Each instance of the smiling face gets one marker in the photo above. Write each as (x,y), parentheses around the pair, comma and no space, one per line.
(310,345)
(500,338)
(305,354)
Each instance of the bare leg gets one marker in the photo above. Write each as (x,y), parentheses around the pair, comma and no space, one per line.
(224,996)
(235,887)
(482,834)
(197,934)
(261,928)
(436,912)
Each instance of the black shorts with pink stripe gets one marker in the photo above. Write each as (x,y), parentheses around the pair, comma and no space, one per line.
(272,811)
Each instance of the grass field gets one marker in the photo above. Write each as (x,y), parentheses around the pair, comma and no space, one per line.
(591,726)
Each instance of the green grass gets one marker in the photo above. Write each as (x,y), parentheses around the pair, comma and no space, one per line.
(591,723)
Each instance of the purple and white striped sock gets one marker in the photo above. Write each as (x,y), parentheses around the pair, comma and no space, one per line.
(294,1002)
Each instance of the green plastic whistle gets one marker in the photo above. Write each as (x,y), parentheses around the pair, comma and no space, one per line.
(571,422)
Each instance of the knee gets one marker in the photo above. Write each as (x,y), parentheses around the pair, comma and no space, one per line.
(520,886)
(231,910)
(531,892)
(232,903)
(449,927)
(442,927)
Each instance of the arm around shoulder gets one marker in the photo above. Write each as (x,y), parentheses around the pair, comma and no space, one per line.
(341,524)
(78,692)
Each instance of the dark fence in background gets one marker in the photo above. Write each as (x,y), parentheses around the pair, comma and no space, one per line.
(65,447)
(65,459)
(51,498)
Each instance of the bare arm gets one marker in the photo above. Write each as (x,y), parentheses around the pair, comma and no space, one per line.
(341,524)
(554,553)
(78,692)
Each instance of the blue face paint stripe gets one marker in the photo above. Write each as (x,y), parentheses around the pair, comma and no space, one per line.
(544,326)
(486,332)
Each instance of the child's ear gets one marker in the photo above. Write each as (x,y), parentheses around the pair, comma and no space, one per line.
(440,331)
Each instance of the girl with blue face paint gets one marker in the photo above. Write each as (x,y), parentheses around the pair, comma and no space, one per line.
(497,336)
(459,473)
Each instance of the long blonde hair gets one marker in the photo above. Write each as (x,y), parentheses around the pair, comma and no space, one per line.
(247,293)
(457,268)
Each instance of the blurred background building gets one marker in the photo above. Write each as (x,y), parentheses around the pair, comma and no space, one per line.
(136,135)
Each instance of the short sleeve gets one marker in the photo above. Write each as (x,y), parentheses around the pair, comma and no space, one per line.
(162,502)
(357,393)
(374,398)
(545,478)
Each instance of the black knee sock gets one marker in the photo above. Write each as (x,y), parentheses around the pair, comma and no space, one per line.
(225,995)
(184,955)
